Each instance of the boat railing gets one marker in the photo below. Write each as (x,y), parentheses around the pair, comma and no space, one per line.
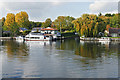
(37,34)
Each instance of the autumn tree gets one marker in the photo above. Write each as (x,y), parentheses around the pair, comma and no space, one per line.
(89,25)
(21,19)
(3,20)
(10,24)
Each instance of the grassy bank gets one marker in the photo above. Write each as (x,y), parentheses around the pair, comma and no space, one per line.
(114,37)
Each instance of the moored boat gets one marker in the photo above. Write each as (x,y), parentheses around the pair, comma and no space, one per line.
(36,36)
(104,39)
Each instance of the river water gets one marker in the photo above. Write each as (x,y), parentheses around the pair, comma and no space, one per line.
(70,58)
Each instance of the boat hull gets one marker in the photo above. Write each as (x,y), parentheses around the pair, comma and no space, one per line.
(36,40)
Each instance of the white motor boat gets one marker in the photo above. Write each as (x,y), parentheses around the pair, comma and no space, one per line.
(104,39)
(37,36)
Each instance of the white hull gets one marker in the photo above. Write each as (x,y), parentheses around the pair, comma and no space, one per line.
(104,39)
(37,37)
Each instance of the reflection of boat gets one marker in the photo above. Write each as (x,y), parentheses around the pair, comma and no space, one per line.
(105,42)
(37,44)
(104,39)
(20,38)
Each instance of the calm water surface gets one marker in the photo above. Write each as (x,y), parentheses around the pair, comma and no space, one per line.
(70,58)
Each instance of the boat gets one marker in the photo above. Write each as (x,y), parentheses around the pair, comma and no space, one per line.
(20,38)
(41,34)
(104,39)
(56,35)
(37,36)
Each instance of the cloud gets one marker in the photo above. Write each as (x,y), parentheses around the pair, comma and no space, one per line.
(37,11)
(56,0)
(104,7)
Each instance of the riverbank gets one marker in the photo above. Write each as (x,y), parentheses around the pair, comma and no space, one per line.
(97,39)
(6,38)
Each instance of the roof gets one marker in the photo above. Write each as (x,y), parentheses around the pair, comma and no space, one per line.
(48,28)
(23,29)
(114,30)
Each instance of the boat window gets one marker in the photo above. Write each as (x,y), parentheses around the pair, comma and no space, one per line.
(47,36)
(35,37)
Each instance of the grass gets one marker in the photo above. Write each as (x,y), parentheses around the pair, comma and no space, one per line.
(114,37)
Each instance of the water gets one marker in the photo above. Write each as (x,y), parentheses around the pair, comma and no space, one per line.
(70,58)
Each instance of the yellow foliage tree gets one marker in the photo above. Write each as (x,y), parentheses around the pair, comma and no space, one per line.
(21,19)
(10,24)
(10,19)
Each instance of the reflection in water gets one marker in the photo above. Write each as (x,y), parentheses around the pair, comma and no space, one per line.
(66,59)
(16,50)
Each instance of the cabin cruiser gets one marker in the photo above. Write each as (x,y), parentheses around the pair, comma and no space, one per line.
(42,34)
(37,36)
(104,39)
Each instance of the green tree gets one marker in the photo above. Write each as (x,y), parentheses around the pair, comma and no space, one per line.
(100,14)
(114,21)
(48,22)
(64,23)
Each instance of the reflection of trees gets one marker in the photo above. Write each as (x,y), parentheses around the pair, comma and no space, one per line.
(88,49)
(66,44)
(95,49)
(91,50)
(14,49)
(89,53)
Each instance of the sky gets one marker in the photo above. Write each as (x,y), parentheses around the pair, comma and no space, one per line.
(40,10)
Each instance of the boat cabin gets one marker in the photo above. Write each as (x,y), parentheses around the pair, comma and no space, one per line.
(49,30)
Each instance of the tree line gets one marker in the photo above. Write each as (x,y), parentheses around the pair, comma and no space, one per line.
(89,25)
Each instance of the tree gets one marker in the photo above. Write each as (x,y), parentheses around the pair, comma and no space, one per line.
(64,23)
(115,21)
(109,15)
(107,27)
(10,24)
(10,19)
(3,20)
(100,14)
(89,25)
(21,19)
(35,24)
(48,22)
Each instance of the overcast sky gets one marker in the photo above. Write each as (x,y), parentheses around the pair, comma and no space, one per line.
(39,10)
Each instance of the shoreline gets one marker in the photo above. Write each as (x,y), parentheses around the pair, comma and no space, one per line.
(68,37)
(6,38)
(97,39)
